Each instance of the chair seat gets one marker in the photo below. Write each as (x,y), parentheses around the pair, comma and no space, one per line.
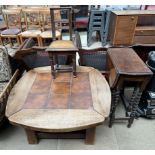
(48,34)
(10,32)
(2,86)
(31,33)
(62,44)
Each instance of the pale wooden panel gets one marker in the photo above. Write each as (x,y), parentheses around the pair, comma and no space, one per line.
(101,93)
(19,93)
(134,12)
(60,120)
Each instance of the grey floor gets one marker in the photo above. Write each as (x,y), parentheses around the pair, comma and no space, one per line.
(140,136)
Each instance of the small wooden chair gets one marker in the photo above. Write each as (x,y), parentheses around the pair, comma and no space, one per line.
(46,25)
(33,24)
(32,56)
(12,18)
(62,47)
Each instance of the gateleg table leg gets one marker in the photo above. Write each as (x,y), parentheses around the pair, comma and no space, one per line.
(115,100)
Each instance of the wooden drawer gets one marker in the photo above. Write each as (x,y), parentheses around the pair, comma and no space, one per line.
(145,31)
(144,39)
(125,29)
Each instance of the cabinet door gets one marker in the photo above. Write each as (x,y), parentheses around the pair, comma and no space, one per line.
(125,29)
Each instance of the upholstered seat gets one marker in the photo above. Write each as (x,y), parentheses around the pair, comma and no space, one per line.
(31,33)
(12,31)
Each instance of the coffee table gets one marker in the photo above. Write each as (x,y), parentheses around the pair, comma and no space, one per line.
(65,105)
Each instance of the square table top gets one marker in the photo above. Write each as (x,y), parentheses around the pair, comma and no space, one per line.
(63,104)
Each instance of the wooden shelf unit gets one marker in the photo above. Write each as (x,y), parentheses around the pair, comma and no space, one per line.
(132,27)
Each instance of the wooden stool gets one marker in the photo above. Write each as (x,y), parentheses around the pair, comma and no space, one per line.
(62,47)
(125,66)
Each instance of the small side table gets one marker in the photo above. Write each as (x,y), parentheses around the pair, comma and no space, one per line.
(125,66)
(62,47)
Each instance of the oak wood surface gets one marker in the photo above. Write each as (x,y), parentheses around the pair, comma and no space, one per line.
(71,104)
(128,66)
(126,27)
(134,12)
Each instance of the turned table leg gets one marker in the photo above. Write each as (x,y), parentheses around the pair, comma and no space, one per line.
(90,136)
(134,105)
(74,65)
(31,136)
(115,100)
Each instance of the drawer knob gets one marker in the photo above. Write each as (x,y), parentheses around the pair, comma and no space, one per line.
(132,18)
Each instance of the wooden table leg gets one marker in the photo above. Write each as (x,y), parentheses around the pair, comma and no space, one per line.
(134,105)
(31,136)
(74,65)
(115,100)
(52,66)
(90,136)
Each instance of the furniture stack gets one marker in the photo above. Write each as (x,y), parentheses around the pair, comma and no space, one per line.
(32,22)
(96,24)
(132,27)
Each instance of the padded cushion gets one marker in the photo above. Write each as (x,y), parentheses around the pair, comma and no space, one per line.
(5,69)
(11,32)
(2,86)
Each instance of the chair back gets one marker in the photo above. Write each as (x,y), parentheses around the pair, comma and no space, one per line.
(62,23)
(32,18)
(46,18)
(12,18)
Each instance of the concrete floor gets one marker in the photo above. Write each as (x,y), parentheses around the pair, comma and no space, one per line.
(139,137)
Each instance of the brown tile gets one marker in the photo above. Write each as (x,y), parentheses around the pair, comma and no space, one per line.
(80,101)
(58,101)
(61,87)
(44,76)
(35,101)
(81,77)
(81,87)
(63,77)
(40,87)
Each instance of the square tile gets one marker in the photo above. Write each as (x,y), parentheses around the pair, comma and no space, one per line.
(40,87)
(61,87)
(81,101)
(58,101)
(35,101)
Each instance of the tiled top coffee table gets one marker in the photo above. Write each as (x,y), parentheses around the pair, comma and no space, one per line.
(39,103)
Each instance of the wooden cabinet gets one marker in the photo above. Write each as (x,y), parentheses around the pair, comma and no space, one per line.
(128,27)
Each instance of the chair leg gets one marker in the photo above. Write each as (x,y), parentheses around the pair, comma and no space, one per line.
(41,41)
(1,42)
(38,40)
(21,39)
(74,65)
(10,40)
(18,40)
